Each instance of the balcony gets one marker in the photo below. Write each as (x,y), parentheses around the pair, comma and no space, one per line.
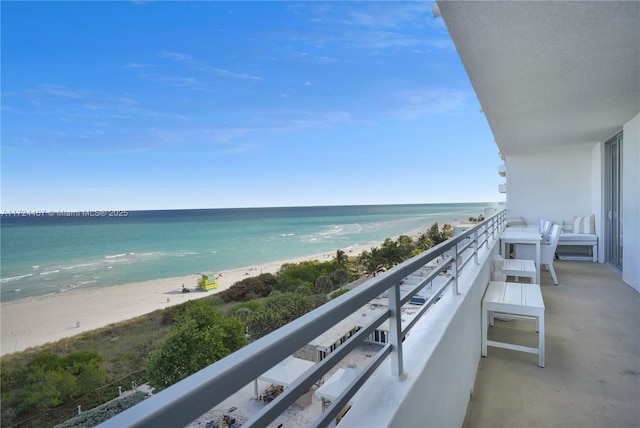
(502,170)
(592,368)
(431,373)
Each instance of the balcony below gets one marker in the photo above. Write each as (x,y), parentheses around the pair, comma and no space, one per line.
(592,373)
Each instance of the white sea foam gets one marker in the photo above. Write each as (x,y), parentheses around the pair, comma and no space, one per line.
(81,265)
(113,256)
(15,278)
(49,272)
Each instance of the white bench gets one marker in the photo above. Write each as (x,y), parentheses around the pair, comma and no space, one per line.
(578,240)
(518,299)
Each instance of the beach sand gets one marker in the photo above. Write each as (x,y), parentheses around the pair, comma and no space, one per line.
(39,320)
(36,321)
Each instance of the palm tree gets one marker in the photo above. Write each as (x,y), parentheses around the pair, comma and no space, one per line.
(434,234)
(424,242)
(341,276)
(447,231)
(341,260)
(391,254)
(405,242)
(324,284)
(372,261)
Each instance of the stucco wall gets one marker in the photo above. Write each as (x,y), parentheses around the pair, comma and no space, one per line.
(631,202)
(554,185)
(441,357)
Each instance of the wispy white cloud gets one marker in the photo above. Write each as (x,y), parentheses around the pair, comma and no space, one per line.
(176,56)
(57,91)
(291,121)
(388,15)
(414,104)
(178,81)
(324,59)
(119,151)
(378,25)
(227,73)
(139,65)
(204,67)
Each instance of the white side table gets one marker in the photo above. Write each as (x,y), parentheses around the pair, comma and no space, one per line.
(518,299)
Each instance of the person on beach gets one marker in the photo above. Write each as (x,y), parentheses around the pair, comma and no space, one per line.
(184,289)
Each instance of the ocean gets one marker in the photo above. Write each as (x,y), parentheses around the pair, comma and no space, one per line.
(45,253)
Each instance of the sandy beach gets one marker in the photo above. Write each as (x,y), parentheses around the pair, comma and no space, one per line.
(39,320)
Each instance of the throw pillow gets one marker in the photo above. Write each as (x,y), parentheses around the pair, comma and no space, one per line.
(584,224)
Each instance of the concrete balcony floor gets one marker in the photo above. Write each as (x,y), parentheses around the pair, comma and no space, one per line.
(592,373)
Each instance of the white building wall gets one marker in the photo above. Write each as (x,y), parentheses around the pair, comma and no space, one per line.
(552,185)
(631,202)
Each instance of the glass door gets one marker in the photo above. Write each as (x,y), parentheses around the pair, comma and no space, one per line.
(613,202)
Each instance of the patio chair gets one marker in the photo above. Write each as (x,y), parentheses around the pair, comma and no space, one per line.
(548,251)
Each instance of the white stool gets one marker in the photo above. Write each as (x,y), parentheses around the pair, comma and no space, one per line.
(520,267)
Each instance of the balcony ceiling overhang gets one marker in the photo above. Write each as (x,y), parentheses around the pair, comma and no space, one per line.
(550,75)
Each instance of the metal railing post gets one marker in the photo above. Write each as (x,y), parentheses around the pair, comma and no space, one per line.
(455,269)
(475,247)
(395,332)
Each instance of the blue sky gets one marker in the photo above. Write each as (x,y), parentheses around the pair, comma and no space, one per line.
(168,105)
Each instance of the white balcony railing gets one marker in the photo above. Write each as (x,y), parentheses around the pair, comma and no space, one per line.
(188,399)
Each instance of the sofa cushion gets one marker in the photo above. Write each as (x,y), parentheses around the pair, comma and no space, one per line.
(579,238)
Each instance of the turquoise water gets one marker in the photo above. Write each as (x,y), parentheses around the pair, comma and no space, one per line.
(53,253)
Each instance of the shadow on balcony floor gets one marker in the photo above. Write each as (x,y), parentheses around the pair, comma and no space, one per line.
(592,373)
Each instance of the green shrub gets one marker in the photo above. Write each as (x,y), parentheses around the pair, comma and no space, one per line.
(277,311)
(106,411)
(49,380)
(200,337)
(249,289)
(338,293)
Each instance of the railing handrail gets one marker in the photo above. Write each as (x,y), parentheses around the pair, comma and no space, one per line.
(186,400)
